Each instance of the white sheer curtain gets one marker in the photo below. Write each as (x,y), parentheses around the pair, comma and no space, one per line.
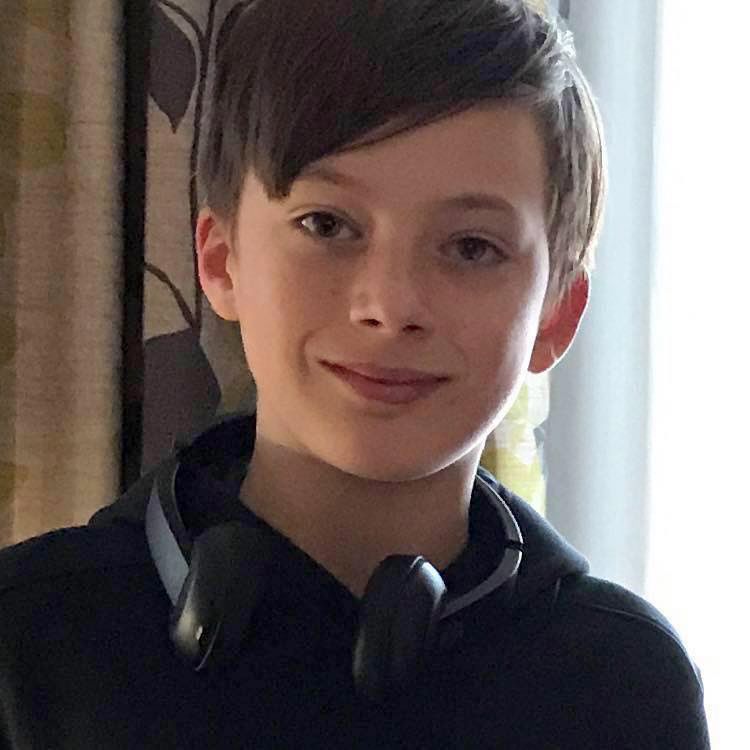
(699,496)
(596,446)
(648,413)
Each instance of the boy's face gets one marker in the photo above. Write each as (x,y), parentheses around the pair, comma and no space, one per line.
(383,270)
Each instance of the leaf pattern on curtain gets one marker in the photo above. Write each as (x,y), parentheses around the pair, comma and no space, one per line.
(174,65)
(194,363)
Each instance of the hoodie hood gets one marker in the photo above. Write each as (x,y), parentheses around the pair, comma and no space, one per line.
(214,464)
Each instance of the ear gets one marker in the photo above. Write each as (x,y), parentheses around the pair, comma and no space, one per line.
(216,263)
(558,328)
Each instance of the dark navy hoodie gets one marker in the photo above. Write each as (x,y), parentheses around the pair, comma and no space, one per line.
(86,660)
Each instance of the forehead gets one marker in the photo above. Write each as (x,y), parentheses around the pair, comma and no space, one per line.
(488,157)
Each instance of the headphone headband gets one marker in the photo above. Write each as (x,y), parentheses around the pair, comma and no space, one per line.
(162,538)
(215,579)
(170,542)
(509,563)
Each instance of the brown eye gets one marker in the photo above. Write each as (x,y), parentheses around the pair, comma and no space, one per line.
(478,251)
(320,224)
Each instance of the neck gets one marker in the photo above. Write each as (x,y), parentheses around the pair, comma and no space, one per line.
(349,524)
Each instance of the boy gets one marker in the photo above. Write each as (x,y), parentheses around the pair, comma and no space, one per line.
(402,199)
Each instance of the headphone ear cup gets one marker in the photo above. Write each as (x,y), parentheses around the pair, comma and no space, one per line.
(228,571)
(398,628)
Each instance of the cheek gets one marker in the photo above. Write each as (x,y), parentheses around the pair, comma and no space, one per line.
(281,305)
(498,341)
(280,292)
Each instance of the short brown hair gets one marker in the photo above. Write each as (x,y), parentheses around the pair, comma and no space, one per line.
(298,80)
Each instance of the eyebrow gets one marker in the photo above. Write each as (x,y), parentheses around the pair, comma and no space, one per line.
(466,201)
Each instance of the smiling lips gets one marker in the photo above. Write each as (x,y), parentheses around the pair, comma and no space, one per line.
(387,374)
(388,385)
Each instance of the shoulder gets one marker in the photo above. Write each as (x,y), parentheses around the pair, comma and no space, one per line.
(594,665)
(615,610)
(626,658)
(615,618)
(66,597)
(58,558)
(589,594)
(585,662)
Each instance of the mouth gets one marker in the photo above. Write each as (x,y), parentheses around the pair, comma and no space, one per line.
(392,386)
(387,375)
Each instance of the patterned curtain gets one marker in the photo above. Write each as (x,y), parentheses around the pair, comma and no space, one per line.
(60,262)
(109,351)
(194,366)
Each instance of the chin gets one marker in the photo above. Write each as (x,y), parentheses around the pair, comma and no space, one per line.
(393,469)
(382,474)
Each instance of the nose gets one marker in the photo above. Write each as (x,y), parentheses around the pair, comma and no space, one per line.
(389,291)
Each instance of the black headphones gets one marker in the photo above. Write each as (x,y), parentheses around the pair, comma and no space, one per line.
(206,578)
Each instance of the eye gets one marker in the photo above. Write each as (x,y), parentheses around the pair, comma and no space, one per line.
(478,252)
(472,251)
(320,224)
